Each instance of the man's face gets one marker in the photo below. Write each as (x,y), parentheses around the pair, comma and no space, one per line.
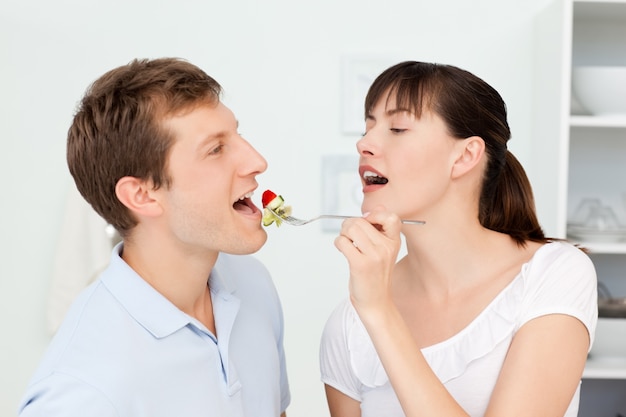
(213,171)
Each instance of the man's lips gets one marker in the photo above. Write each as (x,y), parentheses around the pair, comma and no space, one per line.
(245,206)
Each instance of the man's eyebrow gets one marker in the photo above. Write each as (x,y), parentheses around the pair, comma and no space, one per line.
(209,139)
(215,136)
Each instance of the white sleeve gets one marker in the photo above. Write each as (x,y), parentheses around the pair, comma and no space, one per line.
(562,281)
(335,364)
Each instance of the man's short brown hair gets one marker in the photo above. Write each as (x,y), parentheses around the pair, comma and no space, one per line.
(117,129)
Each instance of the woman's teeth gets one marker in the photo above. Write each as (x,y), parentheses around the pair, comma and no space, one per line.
(371,178)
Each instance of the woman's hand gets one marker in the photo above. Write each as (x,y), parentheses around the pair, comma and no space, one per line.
(371,245)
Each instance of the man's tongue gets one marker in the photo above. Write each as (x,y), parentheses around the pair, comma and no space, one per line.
(243,207)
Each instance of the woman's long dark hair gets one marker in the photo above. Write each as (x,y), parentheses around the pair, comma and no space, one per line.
(469,107)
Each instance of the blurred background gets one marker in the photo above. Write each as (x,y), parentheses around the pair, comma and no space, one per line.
(293,72)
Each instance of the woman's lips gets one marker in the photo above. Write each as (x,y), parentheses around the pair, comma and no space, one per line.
(371,177)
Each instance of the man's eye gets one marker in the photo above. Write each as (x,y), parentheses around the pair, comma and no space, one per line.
(216,150)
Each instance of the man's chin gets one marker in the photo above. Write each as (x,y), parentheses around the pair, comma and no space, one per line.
(249,244)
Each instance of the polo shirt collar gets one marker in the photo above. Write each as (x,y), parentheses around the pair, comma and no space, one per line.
(144,303)
(218,283)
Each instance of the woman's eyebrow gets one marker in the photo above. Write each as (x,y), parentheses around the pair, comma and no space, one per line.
(391,112)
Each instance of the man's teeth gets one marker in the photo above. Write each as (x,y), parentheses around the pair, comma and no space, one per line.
(247,195)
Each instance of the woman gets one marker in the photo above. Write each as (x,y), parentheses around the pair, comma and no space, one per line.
(484,316)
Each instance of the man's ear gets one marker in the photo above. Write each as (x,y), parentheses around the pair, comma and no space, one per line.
(472,150)
(137,195)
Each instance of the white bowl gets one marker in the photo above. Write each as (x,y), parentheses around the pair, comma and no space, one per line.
(600,90)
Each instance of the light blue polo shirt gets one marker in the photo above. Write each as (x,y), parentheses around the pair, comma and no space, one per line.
(124,350)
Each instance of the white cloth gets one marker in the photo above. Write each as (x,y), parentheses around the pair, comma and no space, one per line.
(558,279)
(82,252)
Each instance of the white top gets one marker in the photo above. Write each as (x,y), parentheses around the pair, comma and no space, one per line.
(558,279)
(124,350)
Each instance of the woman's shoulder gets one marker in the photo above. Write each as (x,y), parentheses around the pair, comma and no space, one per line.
(561,279)
(557,256)
(557,248)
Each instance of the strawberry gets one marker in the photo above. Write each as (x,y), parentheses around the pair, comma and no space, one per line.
(268,196)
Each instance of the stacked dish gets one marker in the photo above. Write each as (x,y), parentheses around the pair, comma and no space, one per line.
(595,222)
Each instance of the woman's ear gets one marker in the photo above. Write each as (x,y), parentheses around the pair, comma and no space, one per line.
(137,195)
(471,154)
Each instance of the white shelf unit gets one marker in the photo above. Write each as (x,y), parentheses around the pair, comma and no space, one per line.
(605,368)
(570,33)
(575,156)
(618,122)
(616,248)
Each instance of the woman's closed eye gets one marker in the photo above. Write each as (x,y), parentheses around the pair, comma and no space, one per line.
(398,130)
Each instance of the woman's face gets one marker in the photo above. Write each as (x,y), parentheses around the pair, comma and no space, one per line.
(405,162)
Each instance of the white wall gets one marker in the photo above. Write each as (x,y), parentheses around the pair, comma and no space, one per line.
(279,62)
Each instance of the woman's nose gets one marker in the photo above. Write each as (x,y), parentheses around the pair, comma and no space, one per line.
(364,146)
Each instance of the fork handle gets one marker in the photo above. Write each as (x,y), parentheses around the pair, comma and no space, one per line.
(337,216)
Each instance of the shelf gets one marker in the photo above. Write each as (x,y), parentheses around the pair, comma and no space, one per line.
(582,156)
(600,9)
(605,368)
(598,121)
(602,247)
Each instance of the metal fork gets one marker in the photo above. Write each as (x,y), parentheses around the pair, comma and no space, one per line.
(294,221)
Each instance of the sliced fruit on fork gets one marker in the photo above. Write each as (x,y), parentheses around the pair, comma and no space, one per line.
(273,208)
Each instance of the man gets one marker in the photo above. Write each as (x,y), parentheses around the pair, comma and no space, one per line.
(181,323)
